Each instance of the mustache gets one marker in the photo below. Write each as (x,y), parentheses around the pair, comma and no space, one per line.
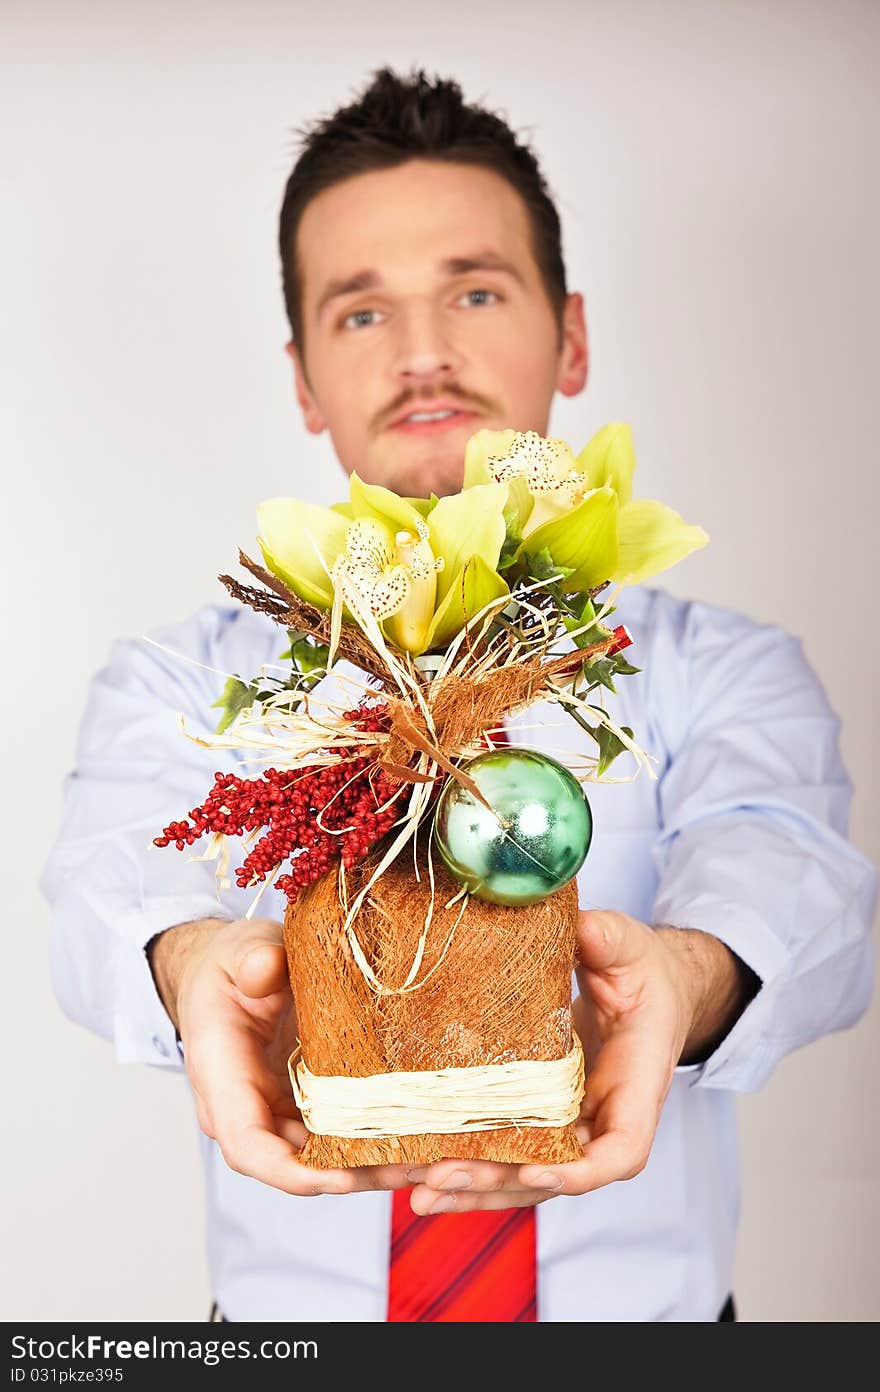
(464,402)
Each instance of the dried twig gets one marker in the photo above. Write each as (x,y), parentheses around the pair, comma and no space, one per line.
(287,609)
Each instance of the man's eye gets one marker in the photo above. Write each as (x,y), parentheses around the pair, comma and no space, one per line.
(482,292)
(359,314)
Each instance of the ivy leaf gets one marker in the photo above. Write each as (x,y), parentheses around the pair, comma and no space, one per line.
(601,673)
(309,656)
(235,697)
(509,549)
(595,632)
(609,746)
(541,566)
(305,653)
(626,669)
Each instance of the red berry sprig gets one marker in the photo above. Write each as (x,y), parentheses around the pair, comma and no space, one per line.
(348,797)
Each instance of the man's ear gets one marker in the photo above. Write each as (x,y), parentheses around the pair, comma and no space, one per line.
(314,421)
(574,355)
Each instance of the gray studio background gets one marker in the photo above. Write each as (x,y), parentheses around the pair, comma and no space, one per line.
(712,163)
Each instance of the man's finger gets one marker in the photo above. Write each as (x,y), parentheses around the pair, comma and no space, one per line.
(426,1201)
(606,939)
(236,1092)
(261,970)
(290,1129)
(387,1176)
(629,1079)
(482,1175)
(260,1153)
(615,1155)
(622,1103)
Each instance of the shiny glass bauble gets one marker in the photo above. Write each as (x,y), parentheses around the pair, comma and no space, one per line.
(547,836)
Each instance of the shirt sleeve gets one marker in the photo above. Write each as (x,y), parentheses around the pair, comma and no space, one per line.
(110,890)
(754,808)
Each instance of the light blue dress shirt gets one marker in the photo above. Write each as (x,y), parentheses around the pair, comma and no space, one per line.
(743,835)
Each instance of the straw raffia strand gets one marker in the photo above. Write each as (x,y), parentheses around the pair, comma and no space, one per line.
(523,1093)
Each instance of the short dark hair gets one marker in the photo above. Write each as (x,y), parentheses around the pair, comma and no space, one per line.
(396,119)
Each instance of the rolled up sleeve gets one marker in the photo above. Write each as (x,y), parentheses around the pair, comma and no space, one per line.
(110,890)
(753,848)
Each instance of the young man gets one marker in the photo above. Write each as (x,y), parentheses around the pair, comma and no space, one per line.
(426,293)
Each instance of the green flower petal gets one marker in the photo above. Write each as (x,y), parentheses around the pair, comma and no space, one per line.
(423,505)
(610,459)
(653,538)
(467,524)
(291,533)
(372,500)
(583,541)
(520,502)
(473,587)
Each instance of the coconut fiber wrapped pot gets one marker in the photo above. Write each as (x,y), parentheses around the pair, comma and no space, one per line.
(500,992)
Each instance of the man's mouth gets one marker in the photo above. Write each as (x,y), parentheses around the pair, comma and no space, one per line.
(432,422)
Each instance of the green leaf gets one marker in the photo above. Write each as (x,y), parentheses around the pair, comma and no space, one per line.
(541,566)
(652,538)
(609,459)
(588,611)
(235,697)
(309,656)
(584,605)
(626,669)
(609,747)
(475,586)
(509,552)
(600,672)
(292,534)
(583,540)
(595,632)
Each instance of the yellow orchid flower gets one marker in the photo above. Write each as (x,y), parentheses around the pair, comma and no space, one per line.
(582,512)
(394,575)
(459,536)
(546,465)
(420,567)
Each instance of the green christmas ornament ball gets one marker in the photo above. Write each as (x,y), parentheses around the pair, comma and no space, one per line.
(545,842)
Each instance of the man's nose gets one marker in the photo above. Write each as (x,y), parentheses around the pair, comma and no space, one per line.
(424,345)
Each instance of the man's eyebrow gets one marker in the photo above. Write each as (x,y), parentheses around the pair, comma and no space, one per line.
(484,261)
(347,285)
(451,266)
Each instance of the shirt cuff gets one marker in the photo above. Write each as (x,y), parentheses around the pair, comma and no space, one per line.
(142,1028)
(738,1062)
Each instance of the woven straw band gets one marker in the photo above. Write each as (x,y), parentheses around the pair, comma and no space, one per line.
(526,1092)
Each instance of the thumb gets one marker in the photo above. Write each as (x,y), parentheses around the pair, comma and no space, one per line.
(261,969)
(606,939)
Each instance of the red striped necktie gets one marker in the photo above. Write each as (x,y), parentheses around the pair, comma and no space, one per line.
(462,1267)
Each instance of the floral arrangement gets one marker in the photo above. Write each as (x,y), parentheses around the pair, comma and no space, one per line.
(434,1023)
(454,609)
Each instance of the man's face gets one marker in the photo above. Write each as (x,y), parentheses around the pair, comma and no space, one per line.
(397,321)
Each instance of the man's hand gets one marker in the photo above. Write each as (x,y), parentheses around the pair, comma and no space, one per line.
(226,990)
(649,1000)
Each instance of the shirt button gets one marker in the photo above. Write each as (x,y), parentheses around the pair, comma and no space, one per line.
(160,1046)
